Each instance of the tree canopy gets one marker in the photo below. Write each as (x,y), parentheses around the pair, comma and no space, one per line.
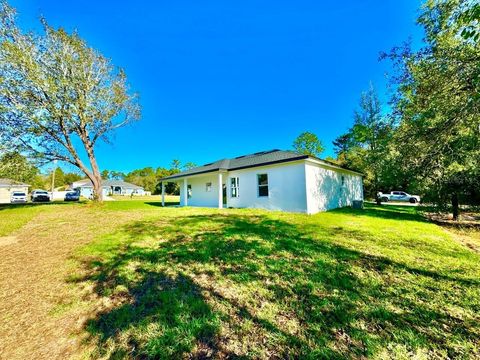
(55,91)
(308,143)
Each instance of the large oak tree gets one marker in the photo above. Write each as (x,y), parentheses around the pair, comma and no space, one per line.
(58,96)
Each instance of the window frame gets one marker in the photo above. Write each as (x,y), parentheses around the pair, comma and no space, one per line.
(234,187)
(262,186)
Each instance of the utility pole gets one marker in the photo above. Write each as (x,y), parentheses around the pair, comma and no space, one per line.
(53,176)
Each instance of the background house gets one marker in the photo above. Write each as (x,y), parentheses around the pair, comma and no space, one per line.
(275,179)
(109,187)
(7,187)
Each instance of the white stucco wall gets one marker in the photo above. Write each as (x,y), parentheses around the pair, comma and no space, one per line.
(200,196)
(286,188)
(324,187)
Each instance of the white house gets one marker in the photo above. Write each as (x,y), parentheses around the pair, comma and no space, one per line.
(275,179)
(7,187)
(109,187)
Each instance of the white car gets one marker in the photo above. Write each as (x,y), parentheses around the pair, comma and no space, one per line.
(18,197)
(398,196)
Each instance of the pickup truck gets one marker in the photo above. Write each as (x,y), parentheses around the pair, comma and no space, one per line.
(398,196)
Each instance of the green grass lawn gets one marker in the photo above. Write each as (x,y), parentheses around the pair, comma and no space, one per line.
(197,283)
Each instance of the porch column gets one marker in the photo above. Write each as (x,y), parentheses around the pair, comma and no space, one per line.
(220,190)
(185,192)
(163,193)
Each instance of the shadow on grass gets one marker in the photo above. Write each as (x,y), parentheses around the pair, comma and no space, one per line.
(159,203)
(38,204)
(200,288)
(391,212)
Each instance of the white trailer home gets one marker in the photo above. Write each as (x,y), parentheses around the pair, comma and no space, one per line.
(275,180)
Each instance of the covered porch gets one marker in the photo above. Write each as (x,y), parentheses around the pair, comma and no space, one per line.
(203,190)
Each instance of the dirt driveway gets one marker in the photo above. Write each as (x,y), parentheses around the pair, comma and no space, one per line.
(33,268)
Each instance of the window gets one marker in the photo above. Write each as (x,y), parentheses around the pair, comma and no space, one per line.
(262,184)
(189,191)
(208,187)
(343,180)
(234,186)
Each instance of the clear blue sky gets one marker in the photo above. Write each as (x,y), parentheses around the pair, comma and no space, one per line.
(220,78)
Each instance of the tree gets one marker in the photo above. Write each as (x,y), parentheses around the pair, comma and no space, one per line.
(15,166)
(175,165)
(365,146)
(189,165)
(437,107)
(469,19)
(146,177)
(105,174)
(308,143)
(55,89)
(59,177)
(71,177)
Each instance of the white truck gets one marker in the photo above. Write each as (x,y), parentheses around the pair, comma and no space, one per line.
(398,196)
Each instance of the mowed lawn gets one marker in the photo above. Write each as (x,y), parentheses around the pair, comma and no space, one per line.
(136,280)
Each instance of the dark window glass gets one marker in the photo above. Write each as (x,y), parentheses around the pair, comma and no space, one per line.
(263,191)
(262,184)
(263,179)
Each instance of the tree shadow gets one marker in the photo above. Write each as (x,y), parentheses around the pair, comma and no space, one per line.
(389,212)
(39,204)
(196,286)
(159,203)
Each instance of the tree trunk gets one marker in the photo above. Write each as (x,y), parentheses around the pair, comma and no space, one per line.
(97,187)
(96,175)
(455,207)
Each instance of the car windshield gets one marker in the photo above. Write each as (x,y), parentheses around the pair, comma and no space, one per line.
(18,194)
(42,193)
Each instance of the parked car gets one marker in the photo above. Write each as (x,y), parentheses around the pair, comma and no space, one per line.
(40,196)
(398,196)
(18,197)
(72,196)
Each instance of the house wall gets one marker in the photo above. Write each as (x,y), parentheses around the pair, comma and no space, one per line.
(199,195)
(87,192)
(324,187)
(286,185)
(301,186)
(286,188)
(6,193)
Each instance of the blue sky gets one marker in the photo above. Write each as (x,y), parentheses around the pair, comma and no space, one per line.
(220,79)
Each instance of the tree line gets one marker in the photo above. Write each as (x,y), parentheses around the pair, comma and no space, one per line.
(149,177)
(17,167)
(430,140)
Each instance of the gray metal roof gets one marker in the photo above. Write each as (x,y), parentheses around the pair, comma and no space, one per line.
(261,158)
(9,182)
